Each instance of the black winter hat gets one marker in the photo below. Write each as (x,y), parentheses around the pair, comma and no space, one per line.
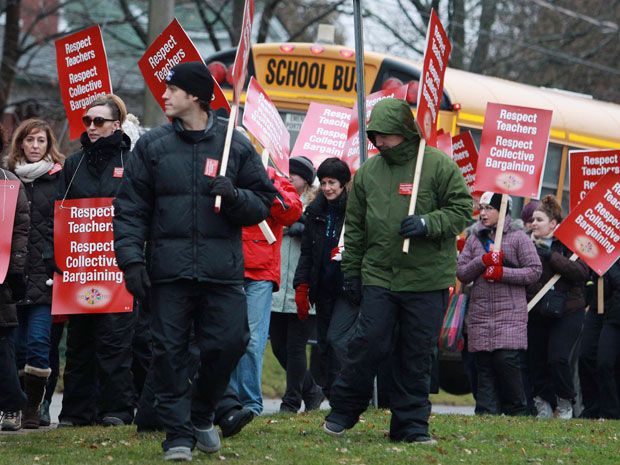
(334,168)
(194,78)
(494,200)
(303,167)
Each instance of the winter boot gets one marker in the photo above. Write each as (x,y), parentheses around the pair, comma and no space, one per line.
(35,380)
(44,413)
(564,409)
(543,408)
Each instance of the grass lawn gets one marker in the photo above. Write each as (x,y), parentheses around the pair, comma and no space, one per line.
(298,439)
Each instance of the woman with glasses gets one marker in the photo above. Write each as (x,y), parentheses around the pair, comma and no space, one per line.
(497,313)
(34,157)
(98,380)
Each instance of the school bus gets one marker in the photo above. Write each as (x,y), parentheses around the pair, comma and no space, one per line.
(295,74)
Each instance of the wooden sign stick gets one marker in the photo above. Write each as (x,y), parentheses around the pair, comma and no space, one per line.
(263,225)
(416,184)
(224,165)
(540,294)
(600,296)
(499,231)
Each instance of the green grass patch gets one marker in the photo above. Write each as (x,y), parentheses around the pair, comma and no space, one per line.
(299,439)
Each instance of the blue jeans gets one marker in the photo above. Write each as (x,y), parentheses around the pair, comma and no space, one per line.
(246,379)
(33,336)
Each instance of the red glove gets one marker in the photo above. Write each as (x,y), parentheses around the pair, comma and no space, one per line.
(302,301)
(493,258)
(493,273)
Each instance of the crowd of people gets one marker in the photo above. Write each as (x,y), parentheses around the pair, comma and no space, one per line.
(210,289)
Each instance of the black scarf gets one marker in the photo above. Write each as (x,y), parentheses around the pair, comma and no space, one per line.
(99,153)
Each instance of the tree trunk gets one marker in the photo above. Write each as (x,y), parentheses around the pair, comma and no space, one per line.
(487,18)
(237,21)
(456,32)
(10,51)
(265,20)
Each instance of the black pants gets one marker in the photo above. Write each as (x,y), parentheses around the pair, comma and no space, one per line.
(289,337)
(550,343)
(419,316)
(141,346)
(606,370)
(55,337)
(500,385)
(592,326)
(219,316)
(98,379)
(12,398)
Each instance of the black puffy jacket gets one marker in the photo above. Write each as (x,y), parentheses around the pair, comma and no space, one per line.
(95,171)
(315,259)
(19,253)
(166,199)
(41,194)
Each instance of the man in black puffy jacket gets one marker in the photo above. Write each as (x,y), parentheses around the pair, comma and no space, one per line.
(196,259)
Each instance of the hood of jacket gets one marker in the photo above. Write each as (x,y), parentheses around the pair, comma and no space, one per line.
(393,116)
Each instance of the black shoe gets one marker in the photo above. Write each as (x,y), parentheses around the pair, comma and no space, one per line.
(422,439)
(314,401)
(207,439)
(112,421)
(334,429)
(235,421)
(67,424)
(287,409)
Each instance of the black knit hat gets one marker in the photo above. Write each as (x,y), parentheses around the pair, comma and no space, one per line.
(494,200)
(334,168)
(302,167)
(194,78)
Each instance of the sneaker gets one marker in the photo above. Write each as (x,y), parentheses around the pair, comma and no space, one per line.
(207,440)
(422,439)
(110,420)
(334,429)
(564,409)
(314,402)
(178,454)
(287,409)
(235,421)
(44,413)
(543,408)
(12,421)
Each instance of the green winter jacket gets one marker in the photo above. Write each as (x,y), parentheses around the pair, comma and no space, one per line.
(377,206)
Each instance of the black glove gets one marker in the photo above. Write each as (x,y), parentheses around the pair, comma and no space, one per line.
(51,267)
(137,280)
(413,226)
(352,290)
(17,283)
(223,186)
(296,229)
(544,252)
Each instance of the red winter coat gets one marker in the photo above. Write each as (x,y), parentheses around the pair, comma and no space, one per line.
(262,261)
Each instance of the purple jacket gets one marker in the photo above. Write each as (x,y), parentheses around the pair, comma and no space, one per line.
(497,313)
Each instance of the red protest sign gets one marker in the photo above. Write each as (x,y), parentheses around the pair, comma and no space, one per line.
(513,149)
(91,281)
(240,66)
(9,190)
(430,90)
(82,74)
(465,154)
(171,47)
(592,229)
(443,142)
(262,120)
(352,149)
(586,168)
(323,133)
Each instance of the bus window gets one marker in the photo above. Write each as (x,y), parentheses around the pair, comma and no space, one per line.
(552,173)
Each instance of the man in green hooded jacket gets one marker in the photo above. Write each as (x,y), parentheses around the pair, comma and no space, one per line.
(397,290)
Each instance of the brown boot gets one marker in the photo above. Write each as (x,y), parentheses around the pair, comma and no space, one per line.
(35,380)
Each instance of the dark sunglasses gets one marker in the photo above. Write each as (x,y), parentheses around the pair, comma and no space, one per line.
(98,120)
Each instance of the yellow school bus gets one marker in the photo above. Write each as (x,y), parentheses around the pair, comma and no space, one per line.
(295,74)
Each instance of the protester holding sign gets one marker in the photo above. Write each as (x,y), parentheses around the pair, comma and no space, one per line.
(289,334)
(396,289)
(195,275)
(12,289)
(555,323)
(497,314)
(34,157)
(98,379)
